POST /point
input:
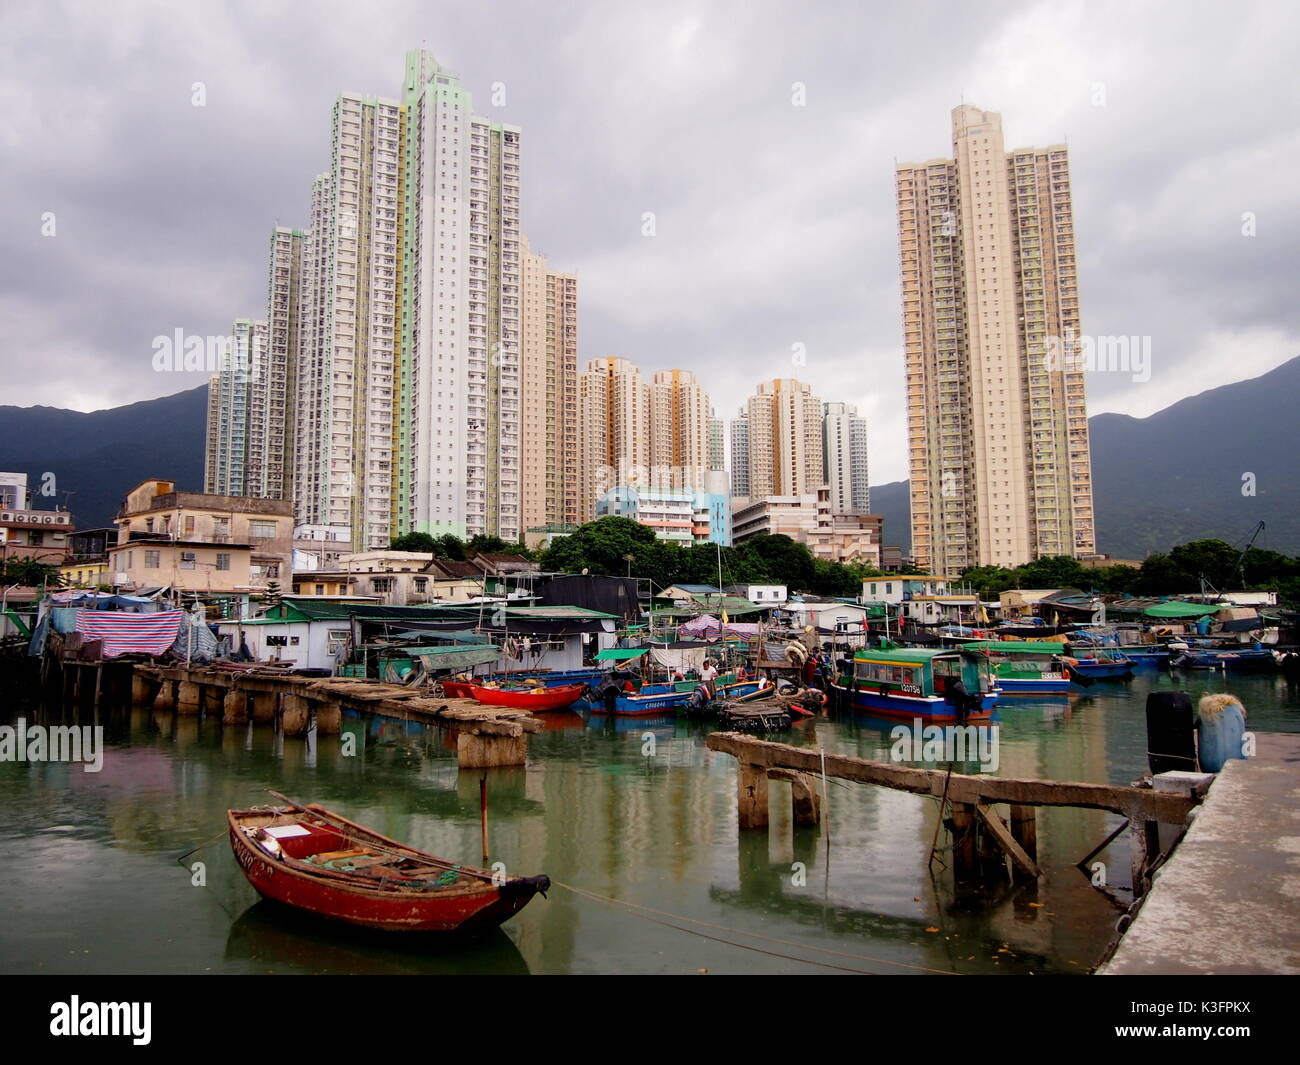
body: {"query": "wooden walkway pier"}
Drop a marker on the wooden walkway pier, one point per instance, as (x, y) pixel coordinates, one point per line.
(979, 831)
(486, 736)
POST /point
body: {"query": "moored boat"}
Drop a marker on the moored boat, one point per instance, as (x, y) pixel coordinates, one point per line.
(538, 699)
(318, 861)
(1213, 658)
(1101, 665)
(652, 700)
(1024, 668)
(913, 682)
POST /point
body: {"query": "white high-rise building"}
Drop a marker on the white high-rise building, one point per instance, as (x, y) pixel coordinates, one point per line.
(844, 457)
(345, 394)
(459, 431)
(237, 425)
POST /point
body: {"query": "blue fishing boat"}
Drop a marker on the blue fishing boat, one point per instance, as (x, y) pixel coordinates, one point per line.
(913, 682)
(651, 700)
(1101, 665)
(1246, 659)
(1145, 655)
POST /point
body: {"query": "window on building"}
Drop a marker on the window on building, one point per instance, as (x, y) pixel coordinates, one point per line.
(223, 560)
(261, 530)
(187, 560)
(151, 559)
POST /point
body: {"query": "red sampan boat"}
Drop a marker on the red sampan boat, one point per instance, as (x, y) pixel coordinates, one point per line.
(535, 699)
(315, 860)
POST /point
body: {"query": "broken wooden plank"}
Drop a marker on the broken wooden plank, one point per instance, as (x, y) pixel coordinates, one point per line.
(1139, 803)
(999, 831)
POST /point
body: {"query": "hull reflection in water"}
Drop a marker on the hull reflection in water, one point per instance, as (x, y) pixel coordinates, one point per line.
(275, 935)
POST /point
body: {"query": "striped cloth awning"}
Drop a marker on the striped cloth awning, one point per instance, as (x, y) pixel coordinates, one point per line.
(124, 633)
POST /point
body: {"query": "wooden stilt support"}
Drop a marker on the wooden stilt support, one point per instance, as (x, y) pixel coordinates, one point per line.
(997, 830)
(296, 714)
(329, 719)
(188, 697)
(264, 706)
(234, 708)
(751, 795)
(1024, 830)
(963, 840)
(166, 697)
(485, 752)
(806, 802)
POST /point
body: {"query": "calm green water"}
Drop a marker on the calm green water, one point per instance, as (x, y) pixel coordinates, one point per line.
(92, 883)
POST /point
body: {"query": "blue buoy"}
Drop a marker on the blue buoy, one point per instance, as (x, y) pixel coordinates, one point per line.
(1220, 730)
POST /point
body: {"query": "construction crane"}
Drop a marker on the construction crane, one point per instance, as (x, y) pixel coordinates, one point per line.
(1240, 568)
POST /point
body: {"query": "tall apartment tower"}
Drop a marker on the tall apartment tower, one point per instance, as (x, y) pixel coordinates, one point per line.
(345, 384)
(272, 477)
(997, 427)
(844, 458)
(237, 430)
(679, 431)
(461, 304)
(784, 439)
(717, 443)
(549, 381)
(614, 428)
(740, 455)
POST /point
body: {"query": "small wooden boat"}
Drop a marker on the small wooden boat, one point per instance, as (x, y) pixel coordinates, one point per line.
(320, 862)
(457, 689)
(653, 700)
(537, 699)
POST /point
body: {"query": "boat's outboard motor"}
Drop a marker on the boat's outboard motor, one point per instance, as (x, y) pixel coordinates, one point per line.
(699, 697)
(960, 699)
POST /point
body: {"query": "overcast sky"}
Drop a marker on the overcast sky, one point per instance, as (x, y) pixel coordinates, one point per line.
(775, 223)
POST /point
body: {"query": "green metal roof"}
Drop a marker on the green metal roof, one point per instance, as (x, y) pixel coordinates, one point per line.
(620, 654)
(1177, 609)
(1024, 647)
(904, 655)
(555, 612)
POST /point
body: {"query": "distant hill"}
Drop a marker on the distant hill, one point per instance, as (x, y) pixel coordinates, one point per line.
(1158, 481)
(891, 502)
(100, 456)
(1177, 475)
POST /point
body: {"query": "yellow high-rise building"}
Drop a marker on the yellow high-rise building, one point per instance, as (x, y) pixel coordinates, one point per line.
(997, 429)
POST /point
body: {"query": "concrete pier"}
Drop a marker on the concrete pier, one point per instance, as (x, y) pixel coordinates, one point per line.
(1226, 900)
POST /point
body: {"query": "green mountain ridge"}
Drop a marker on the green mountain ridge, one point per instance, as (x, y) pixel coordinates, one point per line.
(1173, 477)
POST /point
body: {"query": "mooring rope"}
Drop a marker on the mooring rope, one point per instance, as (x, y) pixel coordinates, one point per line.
(644, 912)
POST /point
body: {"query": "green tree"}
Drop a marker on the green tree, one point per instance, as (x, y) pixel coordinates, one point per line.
(1053, 571)
(492, 545)
(780, 559)
(28, 573)
(600, 547)
(412, 541)
(1211, 560)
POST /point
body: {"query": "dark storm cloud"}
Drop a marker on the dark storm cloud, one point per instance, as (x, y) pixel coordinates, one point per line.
(774, 223)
